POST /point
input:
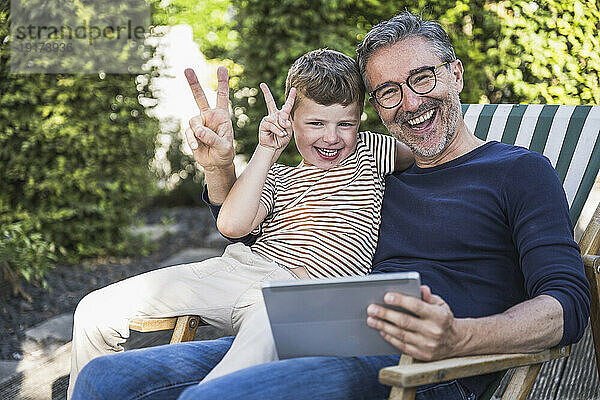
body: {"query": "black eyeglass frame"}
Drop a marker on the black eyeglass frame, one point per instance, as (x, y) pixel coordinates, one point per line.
(430, 68)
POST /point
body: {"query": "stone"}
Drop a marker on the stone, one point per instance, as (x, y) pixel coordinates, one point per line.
(214, 239)
(157, 231)
(7, 368)
(59, 328)
(191, 255)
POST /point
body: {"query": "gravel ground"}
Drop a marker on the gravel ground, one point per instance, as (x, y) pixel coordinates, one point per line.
(68, 284)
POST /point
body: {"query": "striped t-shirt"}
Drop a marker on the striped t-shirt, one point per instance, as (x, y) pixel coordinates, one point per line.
(327, 221)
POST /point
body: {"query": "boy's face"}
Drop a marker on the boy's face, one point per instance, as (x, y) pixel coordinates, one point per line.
(325, 135)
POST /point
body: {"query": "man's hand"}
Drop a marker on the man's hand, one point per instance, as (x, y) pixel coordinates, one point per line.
(431, 334)
(275, 130)
(210, 135)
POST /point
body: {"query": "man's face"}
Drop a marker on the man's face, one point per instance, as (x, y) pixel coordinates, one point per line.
(425, 123)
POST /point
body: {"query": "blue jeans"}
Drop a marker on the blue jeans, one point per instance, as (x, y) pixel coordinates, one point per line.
(174, 371)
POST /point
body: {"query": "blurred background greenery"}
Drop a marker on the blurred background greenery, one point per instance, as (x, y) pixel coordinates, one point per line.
(77, 151)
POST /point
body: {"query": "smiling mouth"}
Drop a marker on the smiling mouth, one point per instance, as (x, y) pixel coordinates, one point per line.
(422, 120)
(328, 153)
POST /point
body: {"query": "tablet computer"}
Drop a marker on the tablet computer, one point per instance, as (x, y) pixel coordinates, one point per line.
(328, 317)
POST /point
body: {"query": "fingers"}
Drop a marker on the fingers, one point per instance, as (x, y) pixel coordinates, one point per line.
(434, 312)
(196, 123)
(426, 293)
(426, 333)
(407, 341)
(197, 91)
(417, 339)
(401, 319)
(407, 347)
(423, 308)
(191, 139)
(269, 100)
(270, 127)
(203, 134)
(222, 88)
(284, 115)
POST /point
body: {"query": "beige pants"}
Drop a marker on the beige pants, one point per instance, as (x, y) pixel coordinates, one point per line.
(224, 291)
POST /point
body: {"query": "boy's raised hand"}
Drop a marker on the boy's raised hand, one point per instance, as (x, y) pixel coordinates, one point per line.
(275, 130)
(210, 135)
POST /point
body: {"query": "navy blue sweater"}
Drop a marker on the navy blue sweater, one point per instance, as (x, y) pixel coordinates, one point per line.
(486, 231)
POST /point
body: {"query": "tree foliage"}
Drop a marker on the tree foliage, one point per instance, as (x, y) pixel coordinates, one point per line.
(74, 153)
(24, 254)
(211, 22)
(513, 51)
(547, 52)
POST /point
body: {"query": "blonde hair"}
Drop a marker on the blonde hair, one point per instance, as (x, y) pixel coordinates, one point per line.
(327, 77)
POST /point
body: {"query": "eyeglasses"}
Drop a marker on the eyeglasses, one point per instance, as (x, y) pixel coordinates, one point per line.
(423, 81)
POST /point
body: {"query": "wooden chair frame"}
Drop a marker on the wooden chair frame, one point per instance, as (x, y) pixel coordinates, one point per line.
(184, 327)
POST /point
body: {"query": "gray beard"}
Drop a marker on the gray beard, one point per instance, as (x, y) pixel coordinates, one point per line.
(423, 152)
(448, 121)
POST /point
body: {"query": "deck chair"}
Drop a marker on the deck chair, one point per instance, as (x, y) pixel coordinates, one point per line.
(569, 137)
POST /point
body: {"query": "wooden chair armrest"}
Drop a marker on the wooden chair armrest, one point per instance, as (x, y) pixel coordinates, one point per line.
(184, 327)
(593, 262)
(145, 324)
(421, 373)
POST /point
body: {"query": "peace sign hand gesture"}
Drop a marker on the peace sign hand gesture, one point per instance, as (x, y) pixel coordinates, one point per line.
(275, 130)
(210, 135)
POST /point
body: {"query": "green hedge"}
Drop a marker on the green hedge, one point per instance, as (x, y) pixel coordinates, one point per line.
(24, 254)
(74, 154)
(512, 51)
(547, 52)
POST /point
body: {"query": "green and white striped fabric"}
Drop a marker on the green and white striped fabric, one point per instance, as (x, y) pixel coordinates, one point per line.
(567, 135)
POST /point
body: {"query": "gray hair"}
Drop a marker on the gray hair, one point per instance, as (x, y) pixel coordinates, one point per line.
(400, 27)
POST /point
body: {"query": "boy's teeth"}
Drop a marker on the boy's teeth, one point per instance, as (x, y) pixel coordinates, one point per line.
(327, 152)
(420, 119)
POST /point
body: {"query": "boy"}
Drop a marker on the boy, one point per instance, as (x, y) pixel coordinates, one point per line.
(322, 216)
(318, 219)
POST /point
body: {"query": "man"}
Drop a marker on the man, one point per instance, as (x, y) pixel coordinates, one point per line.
(486, 225)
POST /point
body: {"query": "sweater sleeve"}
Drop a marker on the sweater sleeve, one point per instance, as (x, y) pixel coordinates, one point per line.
(248, 240)
(549, 258)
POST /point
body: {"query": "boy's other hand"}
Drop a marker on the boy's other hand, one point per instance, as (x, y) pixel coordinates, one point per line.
(275, 130)
(210, 135)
